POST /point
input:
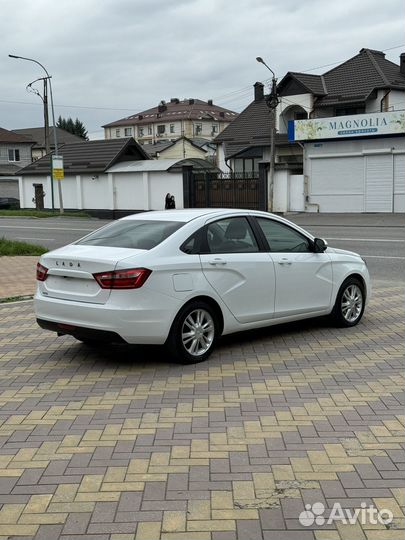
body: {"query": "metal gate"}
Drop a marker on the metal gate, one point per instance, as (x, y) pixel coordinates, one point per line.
(225, 190)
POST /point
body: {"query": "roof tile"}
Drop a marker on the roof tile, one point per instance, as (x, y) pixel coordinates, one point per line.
(90, 156)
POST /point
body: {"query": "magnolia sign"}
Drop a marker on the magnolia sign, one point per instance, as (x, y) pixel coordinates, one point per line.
(357, 125)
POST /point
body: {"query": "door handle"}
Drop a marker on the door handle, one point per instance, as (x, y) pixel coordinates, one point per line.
(285, 262)
(215, 262)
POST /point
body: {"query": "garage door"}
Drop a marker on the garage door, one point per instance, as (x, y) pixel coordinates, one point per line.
(399, 183)
(379, 184)
(337, 176)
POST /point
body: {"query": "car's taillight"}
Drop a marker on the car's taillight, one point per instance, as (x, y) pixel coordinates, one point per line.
(131, 278)
(42, 272)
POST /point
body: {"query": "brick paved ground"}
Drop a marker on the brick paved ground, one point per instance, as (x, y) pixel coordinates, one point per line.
(121, 444)
(17, 276)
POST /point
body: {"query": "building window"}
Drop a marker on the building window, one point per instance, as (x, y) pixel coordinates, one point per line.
(161, 129)
(140, 131)
(149, 130)
(118, 133)
(347, 111)
(13, 154)
(171, 128)
(214, 128)
(197, 129)
(247, 165)
(128, 132)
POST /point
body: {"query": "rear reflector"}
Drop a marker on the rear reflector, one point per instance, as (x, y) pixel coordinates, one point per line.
(131, 278)
(42, 272)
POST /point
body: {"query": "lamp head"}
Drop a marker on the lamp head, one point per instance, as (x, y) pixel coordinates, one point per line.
(260, 59)
(13, 56)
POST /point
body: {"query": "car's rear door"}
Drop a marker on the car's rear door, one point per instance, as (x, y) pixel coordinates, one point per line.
(236, 268)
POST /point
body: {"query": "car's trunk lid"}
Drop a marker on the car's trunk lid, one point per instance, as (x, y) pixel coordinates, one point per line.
(71, 269)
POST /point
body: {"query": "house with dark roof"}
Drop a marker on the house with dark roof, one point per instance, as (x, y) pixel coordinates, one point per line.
(366, 83)
(246, 142)
(107, 178)
(359, 169)
(172, 119)
(86, 183)
(37, 136)
(15, 152)
(181, 148)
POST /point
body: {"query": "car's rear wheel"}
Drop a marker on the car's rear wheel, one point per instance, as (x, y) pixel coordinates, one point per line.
(350, 302)
(193, 333)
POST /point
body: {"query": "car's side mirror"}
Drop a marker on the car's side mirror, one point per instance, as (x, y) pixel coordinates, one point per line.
(320, 245)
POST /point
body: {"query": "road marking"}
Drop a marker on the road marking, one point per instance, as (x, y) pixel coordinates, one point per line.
(41, 228)
(30, 238)
(365, 239)
(382, 257)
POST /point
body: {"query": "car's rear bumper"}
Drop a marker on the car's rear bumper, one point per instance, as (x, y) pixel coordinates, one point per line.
(80, 332)
(146, 321)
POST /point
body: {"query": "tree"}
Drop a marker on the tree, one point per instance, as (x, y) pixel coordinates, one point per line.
(75, 127)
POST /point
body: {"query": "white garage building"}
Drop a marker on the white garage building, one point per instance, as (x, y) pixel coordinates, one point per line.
(106, 178)
(353, 163)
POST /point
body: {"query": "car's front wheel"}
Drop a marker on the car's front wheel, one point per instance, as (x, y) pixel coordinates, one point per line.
(193, 333)
(350, 302)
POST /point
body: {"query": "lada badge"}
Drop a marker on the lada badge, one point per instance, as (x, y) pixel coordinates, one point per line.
(68, 264)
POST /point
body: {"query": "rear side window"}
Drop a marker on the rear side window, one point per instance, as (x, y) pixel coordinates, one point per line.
(282, 238)
(231, 235)
(132, 233)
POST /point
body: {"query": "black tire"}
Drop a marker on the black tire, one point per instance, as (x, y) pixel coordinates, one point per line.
(180, 345)
(350, 302)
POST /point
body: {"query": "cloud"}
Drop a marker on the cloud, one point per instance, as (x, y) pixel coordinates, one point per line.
(130, 54)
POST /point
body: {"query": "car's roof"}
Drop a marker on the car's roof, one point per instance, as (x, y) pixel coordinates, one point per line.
(188, 214)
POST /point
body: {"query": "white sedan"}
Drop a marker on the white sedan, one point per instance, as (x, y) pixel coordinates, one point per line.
(185, 277)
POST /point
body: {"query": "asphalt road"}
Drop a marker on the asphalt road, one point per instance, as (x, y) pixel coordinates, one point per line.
(379, 239)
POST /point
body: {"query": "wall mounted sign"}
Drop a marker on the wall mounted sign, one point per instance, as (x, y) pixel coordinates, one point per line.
(58, 172)
(355, 125)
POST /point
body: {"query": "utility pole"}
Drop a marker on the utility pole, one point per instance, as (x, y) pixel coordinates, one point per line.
(46, 117)
(271, 101)
(44, 99)
(54, 125)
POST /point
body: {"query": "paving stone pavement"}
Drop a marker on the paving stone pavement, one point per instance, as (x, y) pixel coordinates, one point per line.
(119, 443)
(17, 276)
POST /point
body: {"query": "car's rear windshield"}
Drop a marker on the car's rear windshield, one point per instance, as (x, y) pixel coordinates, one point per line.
(134, 233)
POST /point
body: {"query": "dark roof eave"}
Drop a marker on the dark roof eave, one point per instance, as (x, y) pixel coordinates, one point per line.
(293, 75)
(261, 144)
(129, 142)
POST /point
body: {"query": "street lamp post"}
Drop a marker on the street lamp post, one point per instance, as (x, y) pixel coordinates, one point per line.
(44, 99)
(272, 101)
(55, 140)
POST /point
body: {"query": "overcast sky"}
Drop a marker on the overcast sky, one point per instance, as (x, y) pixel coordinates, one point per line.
(111, 58)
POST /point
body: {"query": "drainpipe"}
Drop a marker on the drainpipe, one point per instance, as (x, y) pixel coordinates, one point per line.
(226, 163)
(306, 179)
(382, 100)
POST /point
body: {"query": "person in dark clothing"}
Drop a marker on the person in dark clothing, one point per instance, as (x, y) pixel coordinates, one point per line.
(170, 202)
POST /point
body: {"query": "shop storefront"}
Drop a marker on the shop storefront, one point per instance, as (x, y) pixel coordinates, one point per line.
(353, 163)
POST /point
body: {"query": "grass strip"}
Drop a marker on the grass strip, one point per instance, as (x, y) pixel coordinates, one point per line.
(13, 248)
(40, 213)
(10, 299)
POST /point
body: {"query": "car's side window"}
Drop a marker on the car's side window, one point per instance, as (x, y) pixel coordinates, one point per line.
(231, 235)
(282, 238)
(191, 245)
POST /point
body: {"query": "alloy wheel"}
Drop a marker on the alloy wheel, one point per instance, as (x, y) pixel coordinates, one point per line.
(198, 332)
(352, 303)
